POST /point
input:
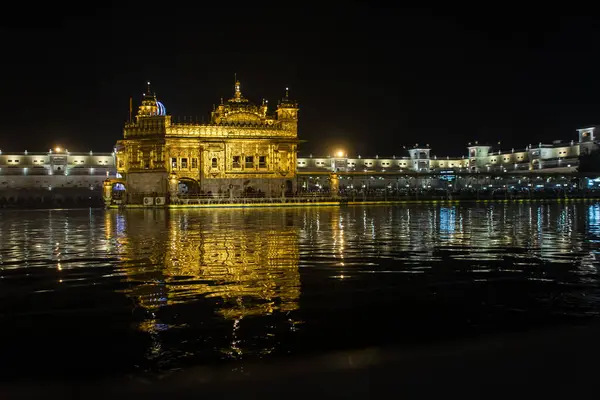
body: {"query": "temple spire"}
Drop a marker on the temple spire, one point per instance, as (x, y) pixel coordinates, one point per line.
(238, 93)
(287, 92)
(148, 92)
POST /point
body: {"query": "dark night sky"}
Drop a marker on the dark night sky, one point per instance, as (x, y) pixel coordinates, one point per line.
(368, 78)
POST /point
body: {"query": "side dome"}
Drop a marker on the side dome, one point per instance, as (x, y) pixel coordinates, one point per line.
(160, 109)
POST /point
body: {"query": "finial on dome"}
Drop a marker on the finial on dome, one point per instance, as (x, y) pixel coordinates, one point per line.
(148, 92)
(238, 92)
(287, 92)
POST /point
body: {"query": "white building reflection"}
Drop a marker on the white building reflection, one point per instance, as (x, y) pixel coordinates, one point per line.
(480, 231)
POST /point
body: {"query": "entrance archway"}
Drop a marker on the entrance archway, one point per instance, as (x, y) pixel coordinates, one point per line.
(113, 190)
(188, 186)
(118, 191)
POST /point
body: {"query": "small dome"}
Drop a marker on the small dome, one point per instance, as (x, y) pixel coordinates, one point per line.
(161, 110)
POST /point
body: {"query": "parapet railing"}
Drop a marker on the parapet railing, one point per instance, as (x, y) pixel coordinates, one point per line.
(325, 197)
(250, 199)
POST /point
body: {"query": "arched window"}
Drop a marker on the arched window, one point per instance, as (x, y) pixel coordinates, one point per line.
(214, 163)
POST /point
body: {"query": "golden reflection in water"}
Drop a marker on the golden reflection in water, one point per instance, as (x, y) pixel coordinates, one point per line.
(252, 270)
(248, 263)
(337, 233)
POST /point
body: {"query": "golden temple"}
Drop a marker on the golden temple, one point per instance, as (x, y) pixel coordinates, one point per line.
(244, 148)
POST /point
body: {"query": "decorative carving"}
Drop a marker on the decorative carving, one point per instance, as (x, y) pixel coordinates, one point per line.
(237, 128)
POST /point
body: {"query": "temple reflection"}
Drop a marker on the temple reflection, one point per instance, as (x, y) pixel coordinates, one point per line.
(241, 267)
(253, 270)
(239, 264)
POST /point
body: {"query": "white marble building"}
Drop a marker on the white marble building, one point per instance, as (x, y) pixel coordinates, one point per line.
(56, 168)
(556, 157)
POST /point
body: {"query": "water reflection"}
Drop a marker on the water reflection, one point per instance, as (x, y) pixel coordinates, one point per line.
(200, 285)
(244, 265)
(491, 232)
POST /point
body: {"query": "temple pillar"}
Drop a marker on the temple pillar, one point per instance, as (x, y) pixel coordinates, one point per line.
(107, 192)
(173, 188)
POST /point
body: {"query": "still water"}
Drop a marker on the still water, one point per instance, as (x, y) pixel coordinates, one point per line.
(93, 292)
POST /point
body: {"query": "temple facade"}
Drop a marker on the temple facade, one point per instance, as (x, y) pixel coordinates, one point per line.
(245, 148)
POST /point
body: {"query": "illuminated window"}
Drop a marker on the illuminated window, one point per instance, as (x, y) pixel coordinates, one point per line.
(236, 162)
(121, 164)
(213, 163)
(249, 161)
(194, 163)
(174, 163)
(184, 164)
(262, 162)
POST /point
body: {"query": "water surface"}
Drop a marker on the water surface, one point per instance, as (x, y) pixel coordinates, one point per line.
(94, 292)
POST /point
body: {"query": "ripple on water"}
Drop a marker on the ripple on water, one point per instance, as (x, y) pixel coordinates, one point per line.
(168, 289)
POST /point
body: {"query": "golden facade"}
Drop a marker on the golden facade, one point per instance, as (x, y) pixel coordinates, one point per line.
(244, 148)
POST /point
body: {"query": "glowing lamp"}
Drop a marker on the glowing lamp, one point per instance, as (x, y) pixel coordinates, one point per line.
(57, 149)
(340, 153)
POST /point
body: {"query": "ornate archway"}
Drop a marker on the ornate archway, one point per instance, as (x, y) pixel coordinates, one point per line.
(114, 191)
(188, 186)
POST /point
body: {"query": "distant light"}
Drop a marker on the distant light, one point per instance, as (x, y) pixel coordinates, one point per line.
(340, 153)
(57, 149)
